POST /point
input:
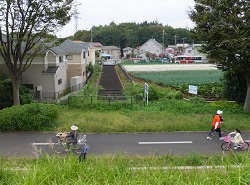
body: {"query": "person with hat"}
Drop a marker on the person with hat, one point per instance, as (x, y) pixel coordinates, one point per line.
(217, 120)
(71, 136)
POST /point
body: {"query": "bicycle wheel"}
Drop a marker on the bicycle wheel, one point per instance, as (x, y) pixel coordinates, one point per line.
(76, 148)
(244, 146)
(58, 148)
(225, 146)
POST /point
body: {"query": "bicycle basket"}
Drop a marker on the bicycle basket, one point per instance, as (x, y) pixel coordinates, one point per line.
(227, 138)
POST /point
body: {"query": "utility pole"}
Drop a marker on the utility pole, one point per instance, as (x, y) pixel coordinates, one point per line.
(163, 37)
(183, 45)
(91, 35)
(175, 36)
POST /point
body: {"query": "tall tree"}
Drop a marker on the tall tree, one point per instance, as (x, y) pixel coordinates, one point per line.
(223, 26)
(24, 30)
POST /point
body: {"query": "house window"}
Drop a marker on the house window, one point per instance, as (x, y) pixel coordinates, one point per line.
(69, 57)
(83, 55)
(88, 53)
(83, 73)
(189, 51)
(59, 81)
(60, 59)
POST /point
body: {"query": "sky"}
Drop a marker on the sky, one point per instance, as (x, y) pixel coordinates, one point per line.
(102, 12)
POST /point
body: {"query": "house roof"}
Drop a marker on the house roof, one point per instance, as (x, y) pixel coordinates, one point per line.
(95, 44)
(51, 69)
(69, 46)
(127, 49)
(153, 40)
(110, 47)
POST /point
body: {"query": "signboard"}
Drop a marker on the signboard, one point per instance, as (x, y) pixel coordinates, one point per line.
(146, 88)
(146, 93)
(192, 89)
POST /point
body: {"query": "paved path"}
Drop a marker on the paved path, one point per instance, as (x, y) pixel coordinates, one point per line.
(179, 143)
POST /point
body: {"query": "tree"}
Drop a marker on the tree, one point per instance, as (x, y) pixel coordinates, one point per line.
(223, 26)
(25, 29)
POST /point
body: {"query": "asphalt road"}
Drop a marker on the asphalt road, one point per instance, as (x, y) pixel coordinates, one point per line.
(175, 143)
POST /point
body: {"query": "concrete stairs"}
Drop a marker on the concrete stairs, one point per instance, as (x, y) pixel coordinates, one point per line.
(112, 87)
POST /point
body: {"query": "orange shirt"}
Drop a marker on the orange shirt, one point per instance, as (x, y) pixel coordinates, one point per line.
(216, 119)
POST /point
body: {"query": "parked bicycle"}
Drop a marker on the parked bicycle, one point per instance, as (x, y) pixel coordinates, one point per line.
(228, 144)
(63, 147)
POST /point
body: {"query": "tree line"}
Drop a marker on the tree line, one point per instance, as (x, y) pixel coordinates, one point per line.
(133, 34)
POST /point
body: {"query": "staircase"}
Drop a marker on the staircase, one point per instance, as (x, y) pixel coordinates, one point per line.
(112, 87)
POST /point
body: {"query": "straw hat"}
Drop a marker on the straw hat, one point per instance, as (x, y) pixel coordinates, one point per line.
(73, 127)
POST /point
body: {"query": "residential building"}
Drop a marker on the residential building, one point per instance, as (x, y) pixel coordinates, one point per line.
(112, 50)
(127, 52)
(77, 57)
(193, 50)
(47, 75)
(98, 49)
(151, 46)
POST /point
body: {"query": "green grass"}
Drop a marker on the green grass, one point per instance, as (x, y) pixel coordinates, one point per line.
(120, 169)
(160, 116)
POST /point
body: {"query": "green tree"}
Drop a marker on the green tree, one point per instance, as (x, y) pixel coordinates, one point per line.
(25, 28)
(223, 26)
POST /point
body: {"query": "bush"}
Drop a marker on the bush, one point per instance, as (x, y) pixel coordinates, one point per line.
(6, 97)
(28, 117)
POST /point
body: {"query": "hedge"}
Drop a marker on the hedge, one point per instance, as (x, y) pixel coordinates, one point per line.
(29, 117)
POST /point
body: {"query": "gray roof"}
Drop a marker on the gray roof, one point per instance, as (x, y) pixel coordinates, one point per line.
(127, 49)
(51, 69)
(109, 47)
(69, 46)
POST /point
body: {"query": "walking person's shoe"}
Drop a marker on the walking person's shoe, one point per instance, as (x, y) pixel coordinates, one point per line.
(209, 138)
(221, 138)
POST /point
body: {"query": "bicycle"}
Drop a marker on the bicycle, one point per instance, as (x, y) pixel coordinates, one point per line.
(228, 144)
(63, 147)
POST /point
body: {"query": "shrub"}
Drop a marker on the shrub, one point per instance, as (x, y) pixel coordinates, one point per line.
(28, 117)
(6, 97)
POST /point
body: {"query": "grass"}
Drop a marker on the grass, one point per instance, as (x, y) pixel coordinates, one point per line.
(167, 116)
(120, 169)
(164, 115)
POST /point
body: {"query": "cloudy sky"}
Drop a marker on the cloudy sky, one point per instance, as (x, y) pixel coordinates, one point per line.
(102, 12)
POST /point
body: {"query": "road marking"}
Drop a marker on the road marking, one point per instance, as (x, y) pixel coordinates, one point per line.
(186, 167)
(167, 142)
(43, 144)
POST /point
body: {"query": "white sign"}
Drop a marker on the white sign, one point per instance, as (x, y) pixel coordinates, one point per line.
(146, 88)
(146, 93)
(192, 89)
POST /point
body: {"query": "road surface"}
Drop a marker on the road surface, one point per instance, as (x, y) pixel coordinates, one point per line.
(174, 143)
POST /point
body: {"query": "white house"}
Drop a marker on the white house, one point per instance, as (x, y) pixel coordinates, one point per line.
(151, 46)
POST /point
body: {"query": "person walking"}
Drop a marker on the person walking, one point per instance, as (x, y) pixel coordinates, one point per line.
(217, 120)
